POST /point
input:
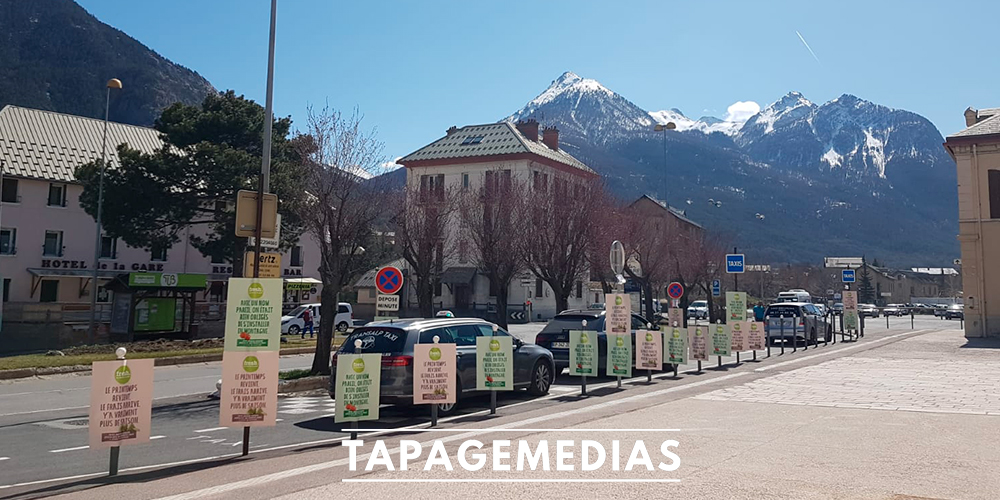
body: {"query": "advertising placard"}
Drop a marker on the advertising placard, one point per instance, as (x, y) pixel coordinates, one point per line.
(121, 402)
(618, 314)
(721, 341)
(699, 342)
(582, 353)
(359, 378)
(851, 320)
(736, 306)
(155, 314)
(756, 337)
(676, 317)
(649, 350)
(434, 373)
(270, 264)
(619, 358)
(249, 394)
(738, 335)
(494, 363)
(677, 345)
(387, 302)
(253, 314)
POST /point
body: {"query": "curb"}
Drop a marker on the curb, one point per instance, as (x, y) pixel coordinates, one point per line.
(171, 361)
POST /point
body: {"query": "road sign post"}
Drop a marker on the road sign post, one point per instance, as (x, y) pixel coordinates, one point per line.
(716, 287)
(847, 276)
(735, 265)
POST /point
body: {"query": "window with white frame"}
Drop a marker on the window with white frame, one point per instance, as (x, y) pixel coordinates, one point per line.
(57, 195)
(8, 241)
(53, 244)
(109, 247)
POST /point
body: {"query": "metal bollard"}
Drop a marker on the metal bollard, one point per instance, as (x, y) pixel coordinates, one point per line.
(886, 321)
(911, 319)
(781, 319)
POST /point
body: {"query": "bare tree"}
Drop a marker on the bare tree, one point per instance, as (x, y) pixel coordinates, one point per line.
(342, 165)
(648, 257)
(492, 218)
(603, 231)
(557, 239)
(422, 220)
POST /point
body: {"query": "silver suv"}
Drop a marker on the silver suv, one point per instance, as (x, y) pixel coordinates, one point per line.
(801, 321)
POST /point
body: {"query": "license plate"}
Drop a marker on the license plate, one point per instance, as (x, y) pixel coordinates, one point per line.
(560, 345)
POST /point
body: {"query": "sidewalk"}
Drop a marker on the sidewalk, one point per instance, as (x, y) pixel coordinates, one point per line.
(903, 417)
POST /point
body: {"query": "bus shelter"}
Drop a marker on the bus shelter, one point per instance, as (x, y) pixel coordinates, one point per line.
(154, 303)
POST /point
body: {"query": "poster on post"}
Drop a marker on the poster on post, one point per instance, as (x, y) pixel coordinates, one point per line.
(675, 315)
(738, 335)
(582, 353)
(851, 319)
(249, 393)
(434, 374)
(253, 314)
(359, 378)
(756, 338)
(699, 342)
(617, 313)
(494, 363)
(677, 345)
(736, 306)
(619, 358)
(121, 402)
(721, 340)
(649, 350)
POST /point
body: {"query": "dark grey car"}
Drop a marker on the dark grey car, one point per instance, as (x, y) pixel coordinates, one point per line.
(555, 335)
(533, 365)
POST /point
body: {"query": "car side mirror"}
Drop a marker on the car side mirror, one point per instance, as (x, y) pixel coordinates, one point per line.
(518, 343)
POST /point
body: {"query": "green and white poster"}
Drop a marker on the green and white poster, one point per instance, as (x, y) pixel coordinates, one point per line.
(253, 314)
(648, 350)
(677, 344)
(851, 319)
(582, 353)
(619, 359)
(736, 306)
(358, 385)
(721, 340)
(494, 364)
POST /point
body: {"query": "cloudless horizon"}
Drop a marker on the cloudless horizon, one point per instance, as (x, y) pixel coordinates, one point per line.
(415, 68)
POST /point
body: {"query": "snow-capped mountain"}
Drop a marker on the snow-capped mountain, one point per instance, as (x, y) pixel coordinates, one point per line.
(583, 107)
(848, 137)
(845, 177)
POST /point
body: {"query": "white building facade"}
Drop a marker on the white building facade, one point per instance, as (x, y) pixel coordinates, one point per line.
(464, 159)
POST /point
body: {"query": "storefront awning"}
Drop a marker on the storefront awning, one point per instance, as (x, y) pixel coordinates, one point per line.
(301, 283)
(458, 275)
(41, 272)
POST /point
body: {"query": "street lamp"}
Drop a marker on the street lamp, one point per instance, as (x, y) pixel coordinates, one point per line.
(664, 128)
(113, 83)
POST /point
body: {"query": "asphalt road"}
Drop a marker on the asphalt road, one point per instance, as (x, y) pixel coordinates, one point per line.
(44, 422)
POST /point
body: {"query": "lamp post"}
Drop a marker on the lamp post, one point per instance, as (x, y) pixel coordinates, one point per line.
(664, 128)
(113, 83)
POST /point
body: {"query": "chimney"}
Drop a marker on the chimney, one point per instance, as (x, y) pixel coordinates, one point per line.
(452, 129)
(550, 136)
(528, 128)
(971, 117)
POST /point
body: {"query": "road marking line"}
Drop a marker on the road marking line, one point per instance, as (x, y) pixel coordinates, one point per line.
(484, 480)
(69, 449)
(213, 429)
(156, 437)
(499, 429)
(82, 407)
(4, 458)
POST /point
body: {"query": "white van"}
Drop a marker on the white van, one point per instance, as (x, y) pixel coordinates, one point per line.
(292, 323)
(795, 295)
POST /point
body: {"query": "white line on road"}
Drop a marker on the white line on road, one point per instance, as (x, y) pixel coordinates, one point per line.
(4, 458)
(156, 437)
(69, 449)
(483, 480)
(519, 429)
(213, 429)
(82, 407)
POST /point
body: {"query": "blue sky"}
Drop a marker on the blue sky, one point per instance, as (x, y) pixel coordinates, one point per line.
(414, 68)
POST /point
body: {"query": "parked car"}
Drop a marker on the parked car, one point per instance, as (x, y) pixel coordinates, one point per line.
(801, 320)
(821, 308)
(867, 310)
(533, 364)
(698, 310)
(940, 309)
(555, 335)
(955, 311)
(292, 322)
(895, 310)
(838, 308)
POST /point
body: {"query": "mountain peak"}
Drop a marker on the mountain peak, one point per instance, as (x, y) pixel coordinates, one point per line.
(791, 100)
(567, 82)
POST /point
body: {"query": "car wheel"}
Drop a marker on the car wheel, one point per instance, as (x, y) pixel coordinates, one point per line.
(294, 330)
(541, 378)
(342, 326)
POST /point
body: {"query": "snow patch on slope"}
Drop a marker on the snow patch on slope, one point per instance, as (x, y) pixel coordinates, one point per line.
(736, 115)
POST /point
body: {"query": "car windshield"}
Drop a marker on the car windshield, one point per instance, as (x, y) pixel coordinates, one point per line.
(699, 303)
(956, 306)
(386, 340)
(296, 311)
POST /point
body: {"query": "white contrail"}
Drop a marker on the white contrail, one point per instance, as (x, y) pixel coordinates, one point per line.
(804, 42)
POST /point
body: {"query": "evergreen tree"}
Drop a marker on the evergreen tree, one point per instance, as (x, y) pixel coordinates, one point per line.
(866, 292)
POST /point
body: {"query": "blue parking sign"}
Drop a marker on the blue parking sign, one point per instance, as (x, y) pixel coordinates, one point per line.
(716, 288)
(848, 276)
(734, 263)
